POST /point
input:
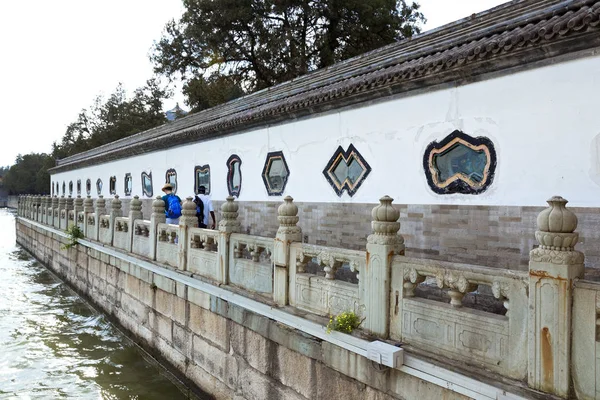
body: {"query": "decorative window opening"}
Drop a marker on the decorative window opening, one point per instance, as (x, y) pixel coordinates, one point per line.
(234, 175)
(171, 177)
(460, 164)
(147, 184)
(57, 189)
(64, 188)
(70, 188)
(112, 185)
(202, 178)
(52, 186)
(88, 187)
(275, 173)
(346, 170)
(99, 186)
(128, 184)
(78, 186)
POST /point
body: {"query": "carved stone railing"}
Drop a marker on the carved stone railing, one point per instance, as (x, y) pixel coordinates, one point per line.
(121, 233)
(167, 239)
(202, 252)
(250, 263)
(81, 220)
(104, 229)
(499, 342)
(318, 291)
(141, 238)
(586, 340)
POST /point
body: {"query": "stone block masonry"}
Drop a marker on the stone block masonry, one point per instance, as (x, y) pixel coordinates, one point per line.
(227, 351)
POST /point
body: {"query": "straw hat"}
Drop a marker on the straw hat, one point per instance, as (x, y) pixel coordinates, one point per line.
(167, 186)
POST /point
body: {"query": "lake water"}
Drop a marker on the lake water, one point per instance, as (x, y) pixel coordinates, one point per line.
(53, 345)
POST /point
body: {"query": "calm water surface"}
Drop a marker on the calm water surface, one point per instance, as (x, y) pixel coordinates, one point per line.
(54, 345)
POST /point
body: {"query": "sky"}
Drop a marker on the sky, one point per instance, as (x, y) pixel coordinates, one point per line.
(57, 56)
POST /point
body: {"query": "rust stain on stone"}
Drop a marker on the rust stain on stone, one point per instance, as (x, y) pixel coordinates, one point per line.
(544, 274)
(547, 360)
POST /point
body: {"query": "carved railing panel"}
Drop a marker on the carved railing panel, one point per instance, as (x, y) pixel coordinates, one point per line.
(141, 238)
(121, 233)
(313, 283)
(250, 264)
(167, 239)
(202, 252)
(104, 229)
(81, 220)
(444, 326)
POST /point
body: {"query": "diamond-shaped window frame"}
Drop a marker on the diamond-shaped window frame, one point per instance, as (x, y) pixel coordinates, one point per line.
(346, 157)
(459, 182)
(272, 156)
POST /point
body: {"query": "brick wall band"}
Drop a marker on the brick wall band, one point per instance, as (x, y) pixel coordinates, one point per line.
(494, 236)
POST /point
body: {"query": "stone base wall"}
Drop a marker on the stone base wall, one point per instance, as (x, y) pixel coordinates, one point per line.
(225, 350)
(493, 236)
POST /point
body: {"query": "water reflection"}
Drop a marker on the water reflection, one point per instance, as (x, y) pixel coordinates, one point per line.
(54, 345)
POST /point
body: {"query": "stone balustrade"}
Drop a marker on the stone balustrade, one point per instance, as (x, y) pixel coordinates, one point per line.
(539, 327)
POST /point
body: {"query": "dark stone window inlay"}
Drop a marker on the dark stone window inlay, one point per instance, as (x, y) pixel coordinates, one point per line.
(202, 178)
(147, 184)
(88, 187)
(99, 186)
(128, 184)
(460, 164)
(57, 189)
(70, 188)
(171, 177)
(52, 185)
(275, 173)
(346, 170)
(234, 175)
(64, 188)
(78, 186)
(112, 185)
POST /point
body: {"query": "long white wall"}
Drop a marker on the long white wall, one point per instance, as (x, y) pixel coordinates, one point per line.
(544, 123)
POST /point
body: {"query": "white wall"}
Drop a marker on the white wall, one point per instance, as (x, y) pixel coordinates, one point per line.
(543, 124)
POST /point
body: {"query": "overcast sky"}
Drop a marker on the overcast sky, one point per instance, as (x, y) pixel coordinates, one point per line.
(56, 56)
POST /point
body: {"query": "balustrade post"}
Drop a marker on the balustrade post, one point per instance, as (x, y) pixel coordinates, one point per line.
(382, 245)
(77, 208)
(553, 267)
(187, 220)
(115, 212)
(36, 208)
(19, 206)
(55, 212)
(88, 210)
(28, 207)
(158, 217)
(227, 225)
(287, 233)
(100, 210)
(42, 209)
(62, 203)
(68, 209)
(135, 213)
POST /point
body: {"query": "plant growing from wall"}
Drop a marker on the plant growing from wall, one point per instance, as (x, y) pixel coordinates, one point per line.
(345, 322)
(74, 234)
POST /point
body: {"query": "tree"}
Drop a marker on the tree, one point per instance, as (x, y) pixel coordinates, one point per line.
(259, 43)
(29, 174)
(114, 118)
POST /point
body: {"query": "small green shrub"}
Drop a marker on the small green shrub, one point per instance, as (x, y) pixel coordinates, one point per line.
(74, 235)
(344, 322)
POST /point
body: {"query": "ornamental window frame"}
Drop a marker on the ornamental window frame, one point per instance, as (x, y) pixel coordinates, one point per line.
(231, 161)
(88, 186)
(271, 157)
(206, 170)
(459, 183)
(171, 173)
(99, 186)
(52, 188)
(127, 184)
(341, 155)
(70, 188)
(78, 186)
(147, 193)
(64, 188)
(112, 185)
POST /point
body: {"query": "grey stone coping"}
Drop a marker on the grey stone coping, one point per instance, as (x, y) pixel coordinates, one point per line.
(515, 34)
